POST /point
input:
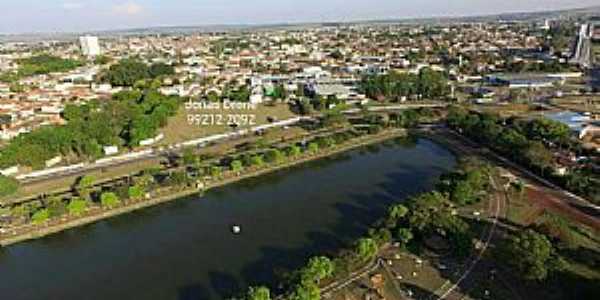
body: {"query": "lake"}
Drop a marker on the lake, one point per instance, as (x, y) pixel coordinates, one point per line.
(185, 249)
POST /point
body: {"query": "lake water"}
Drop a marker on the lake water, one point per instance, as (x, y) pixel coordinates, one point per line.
(185, 249)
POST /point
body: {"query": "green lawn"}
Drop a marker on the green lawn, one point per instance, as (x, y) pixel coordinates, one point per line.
(179, 129)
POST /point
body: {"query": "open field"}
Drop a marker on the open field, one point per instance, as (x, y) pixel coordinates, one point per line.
(179, 128)
(507, 110)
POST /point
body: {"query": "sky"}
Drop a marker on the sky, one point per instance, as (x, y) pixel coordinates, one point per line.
(25, 16)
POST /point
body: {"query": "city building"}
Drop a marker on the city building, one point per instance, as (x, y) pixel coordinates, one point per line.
(90, 46)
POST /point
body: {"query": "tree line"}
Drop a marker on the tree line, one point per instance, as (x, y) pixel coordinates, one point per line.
(427, 84)
(527, 142)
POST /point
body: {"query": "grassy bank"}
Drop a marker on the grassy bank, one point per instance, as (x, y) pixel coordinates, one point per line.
(94, 214)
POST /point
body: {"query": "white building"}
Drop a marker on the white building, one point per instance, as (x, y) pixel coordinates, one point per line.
(89, 45)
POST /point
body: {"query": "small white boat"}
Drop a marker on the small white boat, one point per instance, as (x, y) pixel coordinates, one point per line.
(236, 229)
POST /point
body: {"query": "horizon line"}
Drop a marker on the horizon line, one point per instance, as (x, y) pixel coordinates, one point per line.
(293, 23)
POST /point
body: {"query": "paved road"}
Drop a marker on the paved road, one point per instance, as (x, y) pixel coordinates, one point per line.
(396, 107)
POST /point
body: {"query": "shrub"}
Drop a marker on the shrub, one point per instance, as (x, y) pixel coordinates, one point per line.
(109, 200)
(77, 206)
(8, 186)
(41, 216)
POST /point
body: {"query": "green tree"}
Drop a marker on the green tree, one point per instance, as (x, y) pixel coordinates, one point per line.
(539, 156)
(294, 151)
(237, 166)
(317, 269)
(274, 156)
(532, 254)
(462, 193)
(178, 179)
(84, 186)
(212, 96)
(161, 69)
(109, 200)
(397, 212)
(258, 293)
(257, 160)
(405, 235)
(190, 158)
(102, 60)
(306, 291)
(216, 172)
(127, 72)
(135, 192)
(77, 206)
(313, 147)
(366, 249)
(41, 216)
(56, 206)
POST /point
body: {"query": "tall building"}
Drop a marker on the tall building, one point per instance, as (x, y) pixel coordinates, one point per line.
(89, 45)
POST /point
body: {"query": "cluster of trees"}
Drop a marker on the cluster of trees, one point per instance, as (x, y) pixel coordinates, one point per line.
(128, 118)
(408, 118)
(532, 254)
(559, 37)
(44, 64)
(468, 185)
(40, 64)
(84, 196)
(306, 281)
(527, 142)
(428, 215)
(128, 72)
(428, 84)
(309, 277)
(239, 94)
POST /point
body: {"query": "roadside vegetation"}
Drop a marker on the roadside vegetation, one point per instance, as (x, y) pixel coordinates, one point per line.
(529, 142)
